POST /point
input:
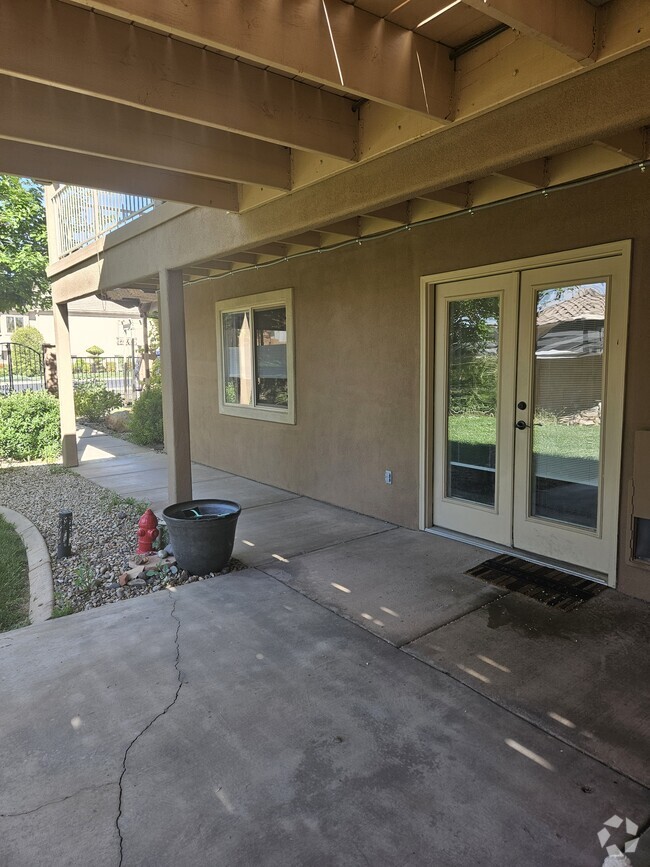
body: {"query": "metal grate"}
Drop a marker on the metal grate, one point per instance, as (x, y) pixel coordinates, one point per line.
(542, 583)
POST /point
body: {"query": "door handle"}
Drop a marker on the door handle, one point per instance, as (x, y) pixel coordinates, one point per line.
(521, 425)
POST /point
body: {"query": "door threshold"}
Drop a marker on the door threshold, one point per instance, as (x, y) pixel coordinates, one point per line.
(578, 571)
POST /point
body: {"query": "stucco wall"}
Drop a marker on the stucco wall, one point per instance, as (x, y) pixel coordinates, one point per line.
(357, 349)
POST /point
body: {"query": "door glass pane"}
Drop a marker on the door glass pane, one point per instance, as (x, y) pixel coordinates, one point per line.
(271, 357)
(237, 358)
(568, 391)
(472, 387)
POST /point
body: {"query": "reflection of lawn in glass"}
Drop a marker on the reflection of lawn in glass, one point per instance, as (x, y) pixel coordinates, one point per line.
(563, 440)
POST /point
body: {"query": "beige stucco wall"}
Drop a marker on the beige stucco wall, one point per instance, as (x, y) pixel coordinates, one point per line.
(357, 323)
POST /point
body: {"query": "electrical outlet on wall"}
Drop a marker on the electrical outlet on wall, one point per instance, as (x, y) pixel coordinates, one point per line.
(388, 477)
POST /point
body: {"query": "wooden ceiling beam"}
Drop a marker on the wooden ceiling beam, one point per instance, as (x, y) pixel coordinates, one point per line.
(36, 114)
(72, 48)
(269, 249)
(330, 43)
(398, 214)
(27, 160)
(567, 25)
(456, 196)
(305, 239)
(243, 258)
(349, 228)
(532, 173)
(632, 144)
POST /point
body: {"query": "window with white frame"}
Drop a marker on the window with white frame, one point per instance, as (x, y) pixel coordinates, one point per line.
(255, 356)
(14, 322)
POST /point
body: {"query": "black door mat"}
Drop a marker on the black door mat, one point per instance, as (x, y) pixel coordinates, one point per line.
(549, 586)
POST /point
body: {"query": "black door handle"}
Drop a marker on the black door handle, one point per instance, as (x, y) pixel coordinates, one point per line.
(521, 425)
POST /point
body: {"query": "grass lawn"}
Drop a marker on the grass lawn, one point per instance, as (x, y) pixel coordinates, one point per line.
(14, 581)
(563, 440)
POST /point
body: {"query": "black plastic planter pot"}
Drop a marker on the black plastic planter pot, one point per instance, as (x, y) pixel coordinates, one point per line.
(202, 533)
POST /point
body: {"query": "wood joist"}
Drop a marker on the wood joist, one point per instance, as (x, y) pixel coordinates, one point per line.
(192, 102)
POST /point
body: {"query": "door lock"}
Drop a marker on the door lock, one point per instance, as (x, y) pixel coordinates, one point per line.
(522, 404)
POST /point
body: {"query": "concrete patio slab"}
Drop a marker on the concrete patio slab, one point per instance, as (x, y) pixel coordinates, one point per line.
(272, 534)
(243, 491)
(113, 467)
(249, 725)
(582, 675)
(101, 448)
(398, 585)
(154, 478)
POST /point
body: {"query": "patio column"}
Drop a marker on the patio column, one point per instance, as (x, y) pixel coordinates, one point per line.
(174, 380)
(65, 386)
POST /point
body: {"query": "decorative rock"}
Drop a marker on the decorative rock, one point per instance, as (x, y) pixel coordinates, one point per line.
(118, 421)
(137, 582)
(123, 580)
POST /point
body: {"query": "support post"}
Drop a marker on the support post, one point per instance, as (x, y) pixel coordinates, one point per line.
(66, 389)
(174, 382)
(145, 348)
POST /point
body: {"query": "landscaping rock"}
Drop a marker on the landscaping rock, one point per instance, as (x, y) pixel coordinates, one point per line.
(118, 421)
(104, 538)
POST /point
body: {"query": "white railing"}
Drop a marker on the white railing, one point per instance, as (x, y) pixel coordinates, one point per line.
(82, 215)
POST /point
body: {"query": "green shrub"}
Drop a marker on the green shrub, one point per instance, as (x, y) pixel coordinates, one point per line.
(29, 426)
(146, 417)
(93, 401)
(27, 362)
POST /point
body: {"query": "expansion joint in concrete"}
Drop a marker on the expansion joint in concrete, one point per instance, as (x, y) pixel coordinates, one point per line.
(162, 713)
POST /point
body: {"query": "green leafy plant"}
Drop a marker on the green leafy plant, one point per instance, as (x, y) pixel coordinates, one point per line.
(27, 350)
(23, 246)
(84, 577)
(146, 418)
(93, 401)
(62, 605)
(95, 350)
(30, 426)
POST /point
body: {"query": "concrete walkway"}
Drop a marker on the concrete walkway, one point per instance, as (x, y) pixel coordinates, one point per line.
(240, 721)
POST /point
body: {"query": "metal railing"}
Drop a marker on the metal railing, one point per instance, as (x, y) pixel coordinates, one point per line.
(117, 373)
(82, 215)
(21, 368)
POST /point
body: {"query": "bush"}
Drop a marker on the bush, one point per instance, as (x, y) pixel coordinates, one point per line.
(146, 417)
(93, 401)
(27, 363)
(29, 426)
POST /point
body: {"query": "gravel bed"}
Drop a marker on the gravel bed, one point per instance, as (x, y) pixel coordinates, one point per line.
(104, 536)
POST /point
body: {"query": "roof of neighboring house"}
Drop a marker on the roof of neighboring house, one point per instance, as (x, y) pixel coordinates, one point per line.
(586, 303)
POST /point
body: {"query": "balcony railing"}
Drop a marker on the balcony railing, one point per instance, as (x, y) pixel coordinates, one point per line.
(82, 215)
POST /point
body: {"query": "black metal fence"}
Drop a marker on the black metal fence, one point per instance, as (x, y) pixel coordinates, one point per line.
(114, 372)
(21, 368)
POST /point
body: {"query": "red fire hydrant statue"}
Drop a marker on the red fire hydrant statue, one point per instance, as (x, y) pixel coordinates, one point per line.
(147, 532)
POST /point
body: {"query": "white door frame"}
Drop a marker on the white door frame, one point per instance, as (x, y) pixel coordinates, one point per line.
(615, 378)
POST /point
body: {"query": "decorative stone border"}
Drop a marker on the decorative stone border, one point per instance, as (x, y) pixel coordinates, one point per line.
(39, 565)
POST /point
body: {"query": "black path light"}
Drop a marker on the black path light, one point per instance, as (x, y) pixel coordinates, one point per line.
(64, 548)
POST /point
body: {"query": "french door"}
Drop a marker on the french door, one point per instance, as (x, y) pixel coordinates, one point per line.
(527, 408)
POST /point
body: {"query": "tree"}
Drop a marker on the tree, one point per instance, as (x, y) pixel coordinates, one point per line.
(23, 246)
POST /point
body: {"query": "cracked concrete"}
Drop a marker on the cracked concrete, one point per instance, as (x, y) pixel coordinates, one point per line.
(300, 739)
(303, 739)
(148, 726)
